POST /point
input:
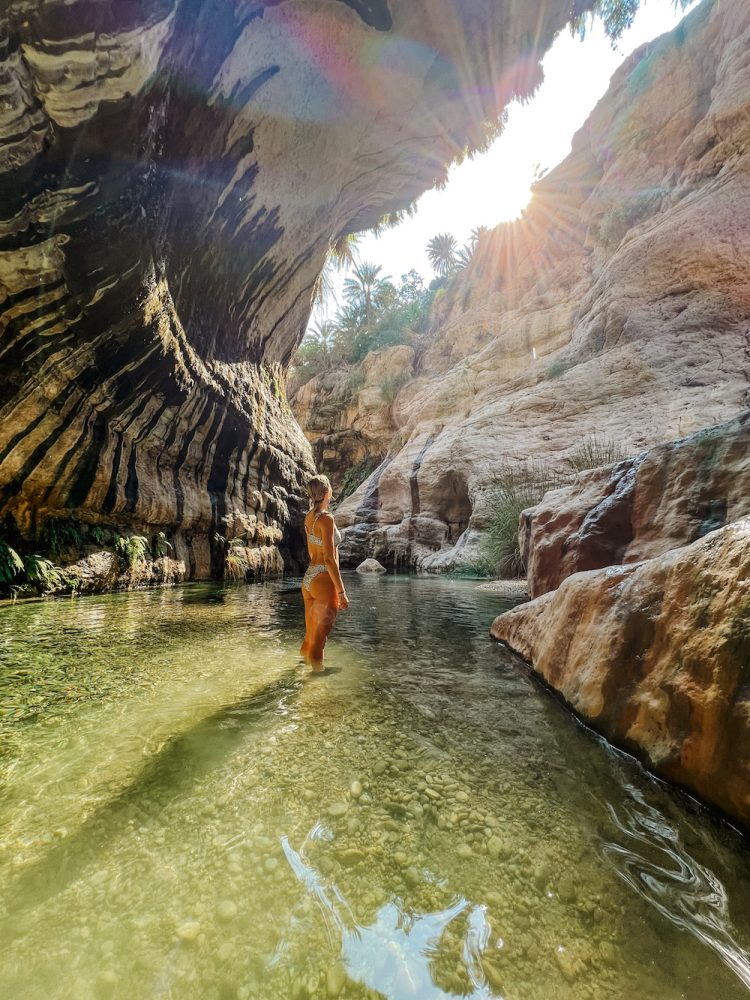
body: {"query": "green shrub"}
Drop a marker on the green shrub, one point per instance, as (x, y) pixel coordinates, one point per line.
(595, 451)
(162, 547)
(353, 382)
(43, 575)
(480, 570)
(62, 534)
(101, 536)
(621, 217)
(516, 486)
(11, 566)
(356, 475)
(30, 574)
(556, 369)
(132, 549)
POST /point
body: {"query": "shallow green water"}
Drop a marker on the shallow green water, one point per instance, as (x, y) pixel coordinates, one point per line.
(186, 813)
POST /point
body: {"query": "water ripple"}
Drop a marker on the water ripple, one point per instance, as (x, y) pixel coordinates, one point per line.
(651, 860)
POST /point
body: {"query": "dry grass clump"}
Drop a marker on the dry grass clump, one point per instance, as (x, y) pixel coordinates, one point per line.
(516, 485)
(595, 451)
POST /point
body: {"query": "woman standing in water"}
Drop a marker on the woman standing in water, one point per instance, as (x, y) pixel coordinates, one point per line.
(322, 586)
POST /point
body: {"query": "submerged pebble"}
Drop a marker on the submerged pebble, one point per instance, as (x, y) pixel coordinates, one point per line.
(335, 979)
(411, 877)
(189, 931)
(105, 984)
(226, 910)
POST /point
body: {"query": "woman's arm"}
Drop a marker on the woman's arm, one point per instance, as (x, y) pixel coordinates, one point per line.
(326, 523)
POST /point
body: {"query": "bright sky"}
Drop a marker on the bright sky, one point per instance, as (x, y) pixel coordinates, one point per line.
(494, 186)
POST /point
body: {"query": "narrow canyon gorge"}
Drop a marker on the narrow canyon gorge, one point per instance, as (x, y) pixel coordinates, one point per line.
(617, 307)
(174, 176)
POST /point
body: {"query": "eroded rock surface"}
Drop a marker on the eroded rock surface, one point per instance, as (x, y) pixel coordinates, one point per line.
(347, 413)
(618, 305)
(657, 656)
(172, 175)
(641, 508)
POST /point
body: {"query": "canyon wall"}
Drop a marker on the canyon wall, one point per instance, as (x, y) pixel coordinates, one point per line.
(619, 304)
(656, 656)
(172, 175)
(347, 413)
(640, 508)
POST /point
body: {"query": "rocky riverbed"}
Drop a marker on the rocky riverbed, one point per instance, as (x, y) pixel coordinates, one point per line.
(421, 821)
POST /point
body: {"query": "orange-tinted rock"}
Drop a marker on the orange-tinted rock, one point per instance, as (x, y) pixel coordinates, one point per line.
(347, 413)
(664, 498)
(656, 656)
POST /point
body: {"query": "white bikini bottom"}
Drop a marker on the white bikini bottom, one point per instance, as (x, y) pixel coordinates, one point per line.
(312, 572)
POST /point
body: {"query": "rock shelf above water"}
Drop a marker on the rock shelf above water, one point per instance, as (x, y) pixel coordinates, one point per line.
(656, 655)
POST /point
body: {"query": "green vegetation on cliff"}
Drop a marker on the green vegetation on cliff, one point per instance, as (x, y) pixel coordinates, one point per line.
(376, 313)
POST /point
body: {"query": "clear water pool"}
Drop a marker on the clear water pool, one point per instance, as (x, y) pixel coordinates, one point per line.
(187, 813)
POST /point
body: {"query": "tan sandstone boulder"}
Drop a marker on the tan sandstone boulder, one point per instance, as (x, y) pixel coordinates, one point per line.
(370, 566)
(641, 508)
(656, 655)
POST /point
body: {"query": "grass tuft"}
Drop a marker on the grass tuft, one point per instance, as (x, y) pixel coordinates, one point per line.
(235, 561)
(517, 485)
(595, 451)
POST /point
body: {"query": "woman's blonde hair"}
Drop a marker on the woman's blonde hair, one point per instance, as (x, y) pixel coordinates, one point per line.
(318, 487)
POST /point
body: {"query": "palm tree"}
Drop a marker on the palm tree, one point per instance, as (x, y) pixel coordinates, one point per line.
(341, 256)
(322, 332)
(464, 255)
(476, 235)
(345, 251)
(443, 254)
(363, 287)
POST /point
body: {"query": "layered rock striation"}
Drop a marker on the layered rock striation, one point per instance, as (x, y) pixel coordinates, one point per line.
(618, 305)
(172, 175)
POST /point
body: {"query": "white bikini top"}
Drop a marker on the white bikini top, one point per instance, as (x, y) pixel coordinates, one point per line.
(316, 539)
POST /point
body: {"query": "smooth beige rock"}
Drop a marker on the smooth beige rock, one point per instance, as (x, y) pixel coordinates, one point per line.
(104, 570)
(371, 566)
(656, 655)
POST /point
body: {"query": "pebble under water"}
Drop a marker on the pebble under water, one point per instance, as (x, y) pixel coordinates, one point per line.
(186, 812)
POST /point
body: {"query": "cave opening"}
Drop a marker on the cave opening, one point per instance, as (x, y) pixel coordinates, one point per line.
(454, 507)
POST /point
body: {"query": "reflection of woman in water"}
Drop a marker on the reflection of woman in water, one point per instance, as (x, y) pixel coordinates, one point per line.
(322, 586)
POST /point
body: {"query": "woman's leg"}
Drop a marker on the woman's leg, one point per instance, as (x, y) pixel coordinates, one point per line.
(308, 599)
(323, 610)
